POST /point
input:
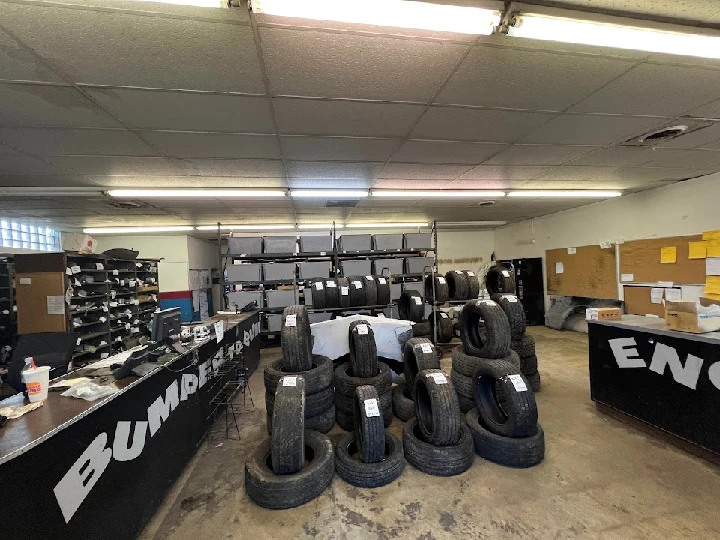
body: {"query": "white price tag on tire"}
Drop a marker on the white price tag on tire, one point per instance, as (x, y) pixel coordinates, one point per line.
(369, 278)
(426, 348)
(289, 381)
(362, 329)
(511, 298)
(439, 378)
(506, 273)
(330, 284)
(418, 300)
(371, 407)
(518, 383)
(381, 281)
(344, 291)
(471, 273)
(291, 320)
(441, 280)
(357, 284)
(443, 315)
(319, 286)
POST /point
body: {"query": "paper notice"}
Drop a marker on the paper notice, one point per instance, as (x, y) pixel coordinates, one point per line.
(673, 294)
(330, 284)
(506, 273)
(219, 330)
(371, 407)
(518, 382)
(572, 251)
(605, 245)
(713, 248)
(382, 281)
(319, 286)
(418, 301)
(559, 268)
(712, 266)
(712, 285)
(426, 348)
(711, 235)
(290, 381)
(697, 250)
(668, 255)
(362, 329)
(291, 320)
(56, 305)
(656, 295)
(665, 284)
(25, 281)
(344, 291)
(441, 280)
(439, 378)
(627, 277)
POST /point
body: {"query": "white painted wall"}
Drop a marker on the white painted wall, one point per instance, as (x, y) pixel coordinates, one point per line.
(454, 246)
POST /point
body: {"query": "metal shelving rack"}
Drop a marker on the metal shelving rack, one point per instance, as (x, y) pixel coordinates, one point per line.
(8, 319)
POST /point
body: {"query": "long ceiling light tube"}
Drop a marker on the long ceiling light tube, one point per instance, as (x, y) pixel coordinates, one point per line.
(578, 193)
(136, 230)
(437, 193)
(329, 193)
(195, 193)
(244, 227)
(386, 225)
(394, 13)
(617, 35)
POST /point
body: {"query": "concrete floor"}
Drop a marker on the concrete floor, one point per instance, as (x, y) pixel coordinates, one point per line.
(600, 479)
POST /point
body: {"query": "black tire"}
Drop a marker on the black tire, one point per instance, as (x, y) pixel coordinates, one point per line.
(332, 294)
(346, 419)
(458, 287)
(383, 291)
(314, 404)
(287, 437)
(421, 329)
(436, 404)
(500, 280)
(466, 364)
(371, 292)
(466, 403)
(346, 404)
(534, 381)
(357, 292)
(529, 365)
(494, 342)
(415, 359)
(408, 307)
(369, 475)
(369, 425)
(343, 286)
(280, 491)
(296, 339)
(321, 423)
(317, 378)
(442, 293)
(525, 346)
(518, 416)
(402, 403)
(514, 311)
(437, 460)
(346, 382)
(317, 289)
(444, 326)
(519, 453)
(473, 285)
(363, 350)
(464, 386)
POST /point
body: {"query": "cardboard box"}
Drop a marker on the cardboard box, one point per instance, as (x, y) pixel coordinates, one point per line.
(603, 314)
(687, 316)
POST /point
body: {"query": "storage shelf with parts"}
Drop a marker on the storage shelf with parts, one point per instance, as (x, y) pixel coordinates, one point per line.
(320, 255)
(8, 315)
(379, 307)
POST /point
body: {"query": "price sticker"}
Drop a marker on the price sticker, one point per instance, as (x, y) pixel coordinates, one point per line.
(330, 284)
(458, 271)
(369, 278)
(382, 281)
(506, 273)
(471, 274)
(439, 378)
(344, 291)
(511, 298)
(426, 348)
(518, 383)
(75, 269)
(362, 329)
(418, 300)
(115, 273)
(289, 381)
(441, 280)
(319, 286)
(357, 284)
(291, 320)
(371, 407)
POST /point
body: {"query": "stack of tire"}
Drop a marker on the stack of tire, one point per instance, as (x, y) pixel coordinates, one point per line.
(418, 355)
(499, 280)
(363, 369)
(367, 291)
(411, 307)
(369, 456)
(276, 475)
(436, 441)
(485, 335)
(297, 359)
(462, 285)
(523, 344)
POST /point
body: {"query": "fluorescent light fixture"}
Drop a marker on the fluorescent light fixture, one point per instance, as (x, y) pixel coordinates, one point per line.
(194, 193)
(443, 224)
(580, 193)
(196, 3)
(245, 227)
(397, 13)
(49, 192)
(135, 230)
(385, 225)
(318, 226)
(438, 193)
(329, 193)
(586, 32)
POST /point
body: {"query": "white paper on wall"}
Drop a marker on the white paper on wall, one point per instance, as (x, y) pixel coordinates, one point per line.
(559, 268)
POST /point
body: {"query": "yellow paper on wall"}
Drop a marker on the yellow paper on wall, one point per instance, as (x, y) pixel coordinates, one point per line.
(711, 235)
(713, 248)
(712, 296)
(712, 285)
(668, 255)
(698, 250)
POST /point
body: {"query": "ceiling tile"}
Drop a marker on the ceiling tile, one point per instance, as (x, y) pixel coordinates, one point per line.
(158, 9)
(503, 172)
(589, 129)
(336, 170)
(352, 118)
(538, 155)
(338, 148)
(212, 145)
(52, 106)
(692, 10)
(326, 183)
(151, 52)
(709, 110)
(58, 142)
(678, 158)
(63, 179)
(353, 66)
(20, 64)
(646, 174)
(192, 111)
(446, 152)
(572, 174)
(116, 165)
(464, 124)
(412, 171)
(21, 164)
(399, 183)
(619, 156)
(525, 79)
(493, 183)
(654, 89)
(251, 168)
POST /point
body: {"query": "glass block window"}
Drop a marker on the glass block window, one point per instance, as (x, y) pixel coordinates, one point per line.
(14, 234)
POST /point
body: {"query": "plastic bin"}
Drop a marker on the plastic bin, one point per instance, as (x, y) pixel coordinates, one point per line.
(310, 270)
(417, 241)
(395, 291)
(416, 265)
(278, 271)
(315, 244)
(243, 298)
(274, 322)
(319, 317)
(386, 242)
(355, 242)
(395, 266)
(244, 272)
(361, 267)
(278, 299)
(280, 244)
(245, 245)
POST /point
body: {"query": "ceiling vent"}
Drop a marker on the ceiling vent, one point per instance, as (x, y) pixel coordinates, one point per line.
(342, 203)
(130, 205)
(485, 203)
(667, 133)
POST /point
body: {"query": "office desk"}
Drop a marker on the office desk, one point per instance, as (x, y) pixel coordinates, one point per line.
(79, 469)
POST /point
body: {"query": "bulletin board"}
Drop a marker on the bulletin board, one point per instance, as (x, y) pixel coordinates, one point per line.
(638, 302)
(590, 272)
(32, 291)
(641, 258)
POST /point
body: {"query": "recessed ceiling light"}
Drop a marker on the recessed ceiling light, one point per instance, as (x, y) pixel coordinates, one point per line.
(329, 193)
(436, 193)
(245, 227)
(385, 225)
(397, 13)
(193, 193)
(135, 230)
(580, 193)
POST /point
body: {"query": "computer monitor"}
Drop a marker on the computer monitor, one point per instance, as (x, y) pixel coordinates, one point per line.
(165, 324)
(54, 349)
